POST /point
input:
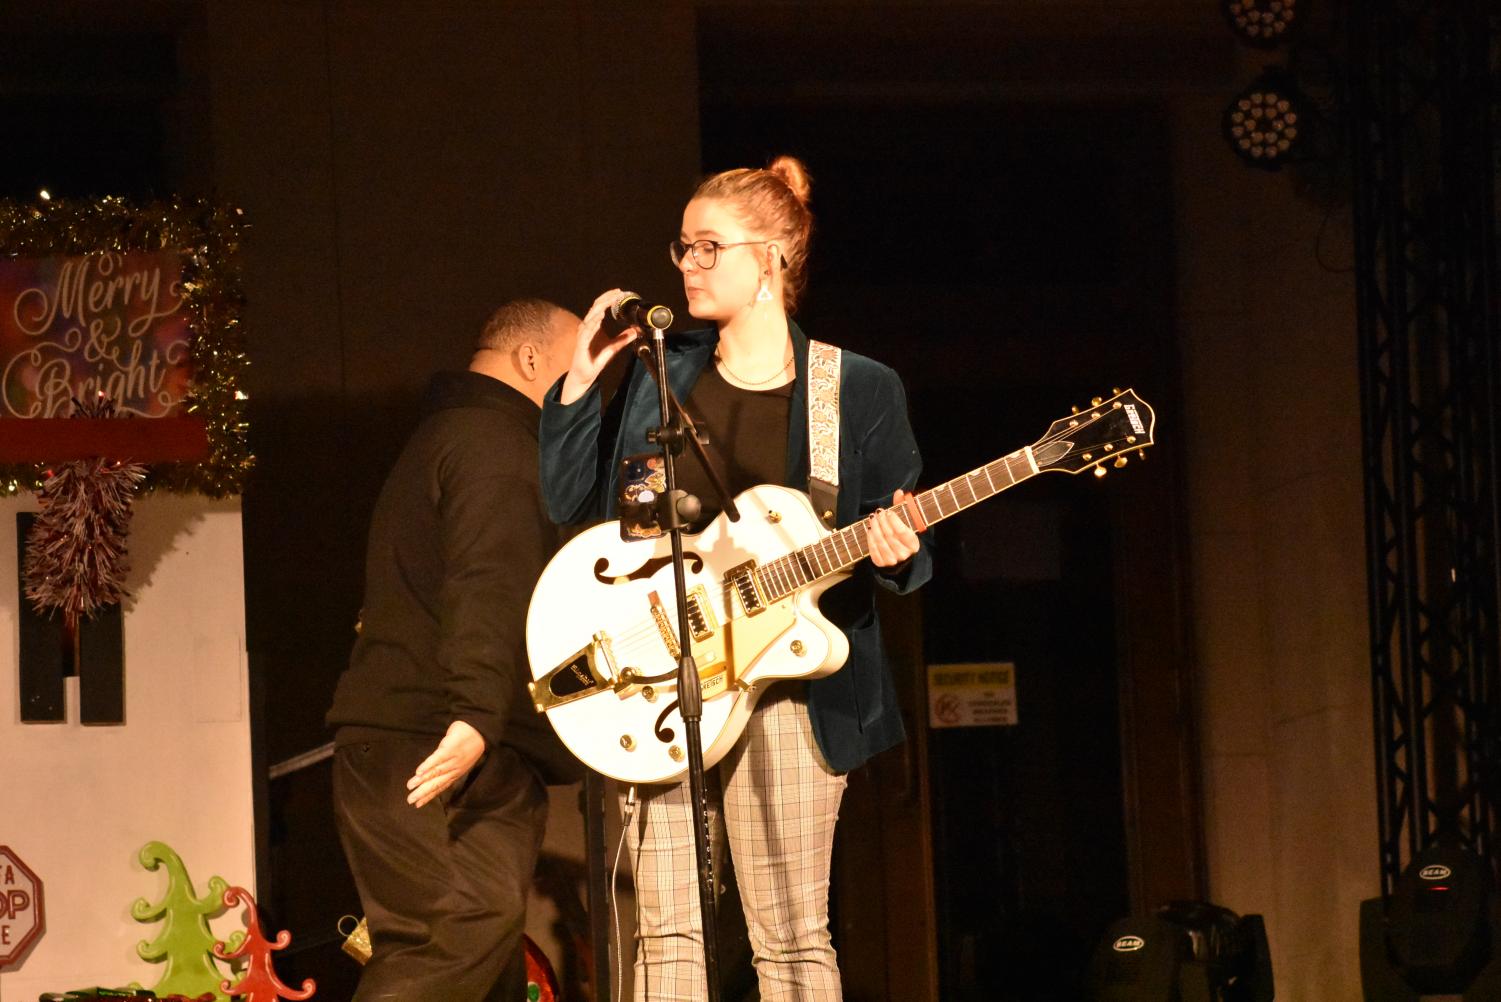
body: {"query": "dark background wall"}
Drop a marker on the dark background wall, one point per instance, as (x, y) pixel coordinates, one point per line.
(1019, 206)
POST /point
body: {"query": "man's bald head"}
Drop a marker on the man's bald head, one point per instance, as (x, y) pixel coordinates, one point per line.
(527, 343)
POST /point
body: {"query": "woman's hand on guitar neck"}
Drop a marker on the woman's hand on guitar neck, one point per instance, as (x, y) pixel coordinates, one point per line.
(594, 348)
(890, 540)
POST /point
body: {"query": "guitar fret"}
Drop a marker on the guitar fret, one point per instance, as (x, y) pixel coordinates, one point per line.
(774, 580)
(928, 506)
(788, 571)
(840, 539)
(970, 490)
(989, 479)
(811, 562)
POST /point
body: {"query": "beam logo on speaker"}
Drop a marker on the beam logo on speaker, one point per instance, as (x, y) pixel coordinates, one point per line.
(1436, 871)
(1128, 944)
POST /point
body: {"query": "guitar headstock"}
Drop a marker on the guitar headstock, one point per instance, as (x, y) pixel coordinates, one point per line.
(1097, 437)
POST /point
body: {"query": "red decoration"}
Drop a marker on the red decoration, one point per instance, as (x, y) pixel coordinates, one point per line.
(542, 980)
(21, 917)
(260, 983)
(145, 440)
(75, 552)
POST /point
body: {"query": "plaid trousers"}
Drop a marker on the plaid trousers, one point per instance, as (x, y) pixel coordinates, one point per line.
(778, 806)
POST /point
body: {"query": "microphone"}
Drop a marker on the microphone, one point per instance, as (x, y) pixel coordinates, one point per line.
(631, 311)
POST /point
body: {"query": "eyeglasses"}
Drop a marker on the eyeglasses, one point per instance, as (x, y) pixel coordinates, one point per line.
(705, 252)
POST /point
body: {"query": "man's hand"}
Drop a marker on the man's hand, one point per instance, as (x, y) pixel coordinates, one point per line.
(455, 755)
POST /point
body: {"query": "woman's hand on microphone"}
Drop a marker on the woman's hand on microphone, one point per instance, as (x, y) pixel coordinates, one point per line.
(594, 347)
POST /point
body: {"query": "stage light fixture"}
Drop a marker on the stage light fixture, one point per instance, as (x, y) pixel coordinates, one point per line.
(1189, 951)
(1265, 122)
(1264, 23)
(1439, 934)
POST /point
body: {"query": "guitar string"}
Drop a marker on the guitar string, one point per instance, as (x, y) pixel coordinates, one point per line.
(826, 549)
(642, 639)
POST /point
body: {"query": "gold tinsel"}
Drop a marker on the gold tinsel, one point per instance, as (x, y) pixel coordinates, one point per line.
(208, 237)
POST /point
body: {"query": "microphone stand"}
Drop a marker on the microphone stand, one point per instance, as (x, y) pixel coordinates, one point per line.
(677, 428)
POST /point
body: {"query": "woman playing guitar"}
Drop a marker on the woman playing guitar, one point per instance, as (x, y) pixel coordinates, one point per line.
(742, 253)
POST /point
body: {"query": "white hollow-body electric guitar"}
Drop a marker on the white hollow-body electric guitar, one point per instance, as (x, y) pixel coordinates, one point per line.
(602, 632)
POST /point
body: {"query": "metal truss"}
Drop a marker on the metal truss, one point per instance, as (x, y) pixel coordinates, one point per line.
(1423, 88)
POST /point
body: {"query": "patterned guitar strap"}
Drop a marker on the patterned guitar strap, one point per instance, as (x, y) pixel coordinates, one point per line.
(823, 430)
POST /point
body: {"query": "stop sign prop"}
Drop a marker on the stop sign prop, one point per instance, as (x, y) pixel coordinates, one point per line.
(21, 917)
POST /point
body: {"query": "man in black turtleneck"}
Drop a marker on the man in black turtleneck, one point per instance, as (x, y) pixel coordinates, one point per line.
(441, 760)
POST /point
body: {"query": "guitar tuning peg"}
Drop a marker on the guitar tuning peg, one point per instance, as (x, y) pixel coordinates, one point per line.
(1074, 410)
(1099, 471)
(1096, 401)
(1120, 461)
(1115, 391)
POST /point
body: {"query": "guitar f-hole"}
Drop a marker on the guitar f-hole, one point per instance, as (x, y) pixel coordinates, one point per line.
(646, 570)
(666, 735)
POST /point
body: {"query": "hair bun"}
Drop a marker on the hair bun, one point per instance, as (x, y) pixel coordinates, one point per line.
(794, 175)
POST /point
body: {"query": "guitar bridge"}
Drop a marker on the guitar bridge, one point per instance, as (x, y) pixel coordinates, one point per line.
(590, 670)
(743, 580)
(701, 621)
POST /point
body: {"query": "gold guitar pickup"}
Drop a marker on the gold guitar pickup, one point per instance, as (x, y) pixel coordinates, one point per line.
(742, 581)
(590, 670)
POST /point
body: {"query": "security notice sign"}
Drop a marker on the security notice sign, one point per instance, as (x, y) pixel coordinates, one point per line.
(20, 907)
(972, 695)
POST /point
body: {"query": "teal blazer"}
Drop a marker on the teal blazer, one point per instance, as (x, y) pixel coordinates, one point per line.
(854, 711)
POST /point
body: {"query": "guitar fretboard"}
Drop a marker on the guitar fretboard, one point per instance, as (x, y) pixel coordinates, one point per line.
(848, 546)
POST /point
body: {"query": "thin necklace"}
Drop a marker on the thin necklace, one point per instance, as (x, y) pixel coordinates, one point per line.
(750, 382)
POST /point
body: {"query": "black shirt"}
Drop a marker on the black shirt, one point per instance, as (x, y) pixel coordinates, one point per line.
(747, 432)
(457, 540)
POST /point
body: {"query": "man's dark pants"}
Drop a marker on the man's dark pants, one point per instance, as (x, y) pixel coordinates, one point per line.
(444, 887)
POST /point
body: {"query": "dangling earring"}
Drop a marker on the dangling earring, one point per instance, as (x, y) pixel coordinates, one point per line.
(763, 294)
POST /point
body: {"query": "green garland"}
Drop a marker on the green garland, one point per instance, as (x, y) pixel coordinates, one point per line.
(208, 237)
